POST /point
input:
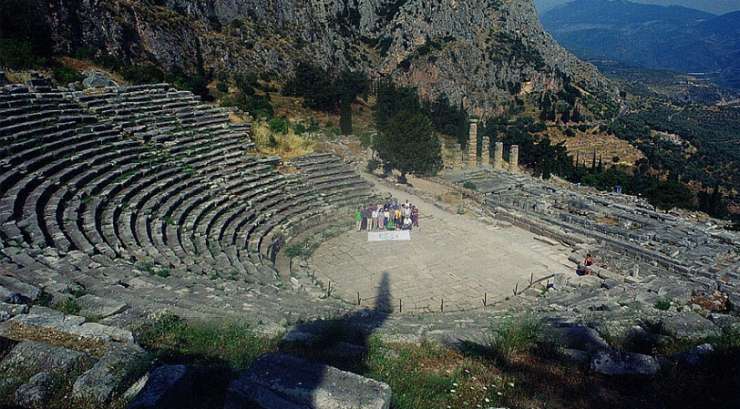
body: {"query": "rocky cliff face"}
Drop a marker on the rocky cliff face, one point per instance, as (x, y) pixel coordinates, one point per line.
(480, 52)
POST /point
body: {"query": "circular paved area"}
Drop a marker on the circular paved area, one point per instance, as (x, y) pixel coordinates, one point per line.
(451, 257)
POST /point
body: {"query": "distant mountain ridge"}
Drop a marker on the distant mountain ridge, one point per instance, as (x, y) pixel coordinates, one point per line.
(709, 6)
(656, 37)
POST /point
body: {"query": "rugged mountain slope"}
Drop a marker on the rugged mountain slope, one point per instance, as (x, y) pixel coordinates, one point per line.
(480, 52)
(657, 37)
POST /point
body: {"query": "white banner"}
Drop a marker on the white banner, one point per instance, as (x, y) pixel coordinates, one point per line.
(393, 235)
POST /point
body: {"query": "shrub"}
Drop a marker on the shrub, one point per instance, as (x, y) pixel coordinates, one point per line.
(222, 87)
(470, 185)
(279, 125)
(299, 129)
(66, 75)
(313, 125)
(511, 336)
(69, 306)
(663, 304)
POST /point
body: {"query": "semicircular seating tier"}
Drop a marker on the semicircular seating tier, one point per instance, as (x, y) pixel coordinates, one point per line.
(148, 194)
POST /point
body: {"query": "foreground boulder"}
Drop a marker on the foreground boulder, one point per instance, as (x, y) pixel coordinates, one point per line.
(616, 363)
(279, 381)
(35, 357)
(36, 392)
(111, 374)
(168, 386)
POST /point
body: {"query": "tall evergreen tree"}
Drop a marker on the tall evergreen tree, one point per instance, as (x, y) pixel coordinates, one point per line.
(407, 143)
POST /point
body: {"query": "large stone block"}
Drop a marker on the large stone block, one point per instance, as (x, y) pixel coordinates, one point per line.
(8, 311)
(111, 374)
(93, 306)
(45, 318)
(35, 357)
(689, 325)
(279, 381)
(102, 332)
(577, 337)
(36, 392)
(617, 363)
(168, 386)
(11, 285)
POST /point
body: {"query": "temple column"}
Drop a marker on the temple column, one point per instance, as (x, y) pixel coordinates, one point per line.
(485, 154)
(473, 144)
(514, 158)
(498, 155)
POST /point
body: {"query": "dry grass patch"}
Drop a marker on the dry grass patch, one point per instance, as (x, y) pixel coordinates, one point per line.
(19, 332)
(286, 145)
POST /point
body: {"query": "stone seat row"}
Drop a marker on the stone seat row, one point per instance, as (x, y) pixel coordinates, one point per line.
(83, 201)
(334, 180)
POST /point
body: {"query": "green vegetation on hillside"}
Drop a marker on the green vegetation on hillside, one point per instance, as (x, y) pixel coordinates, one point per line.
(546, 159)
(322, 91)
(406, 140)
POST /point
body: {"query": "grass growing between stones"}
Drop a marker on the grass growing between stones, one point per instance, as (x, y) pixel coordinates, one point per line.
(69, 306)
(511, 336)
(226, 344)
(432, 376)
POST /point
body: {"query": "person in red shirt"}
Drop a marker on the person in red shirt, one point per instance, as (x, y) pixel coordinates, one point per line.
(589, 261)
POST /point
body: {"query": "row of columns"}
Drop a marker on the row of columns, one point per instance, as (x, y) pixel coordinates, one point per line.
(485, 157)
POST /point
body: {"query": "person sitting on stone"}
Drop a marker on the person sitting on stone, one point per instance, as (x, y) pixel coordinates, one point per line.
(588, 261)
(584, 268)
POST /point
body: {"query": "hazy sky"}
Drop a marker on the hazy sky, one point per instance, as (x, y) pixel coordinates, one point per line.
(712, 6)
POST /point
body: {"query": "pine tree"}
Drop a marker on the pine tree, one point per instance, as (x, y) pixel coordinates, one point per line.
(407, 143)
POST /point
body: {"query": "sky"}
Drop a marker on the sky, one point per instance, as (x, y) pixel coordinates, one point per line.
(711, 6)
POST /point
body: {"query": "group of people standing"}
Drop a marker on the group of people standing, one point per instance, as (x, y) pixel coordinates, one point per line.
(388, 216)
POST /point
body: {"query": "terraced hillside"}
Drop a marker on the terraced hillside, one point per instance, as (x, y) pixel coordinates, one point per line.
(148, 196)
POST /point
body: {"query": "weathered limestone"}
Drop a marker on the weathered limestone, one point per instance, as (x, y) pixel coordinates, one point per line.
(485, 158)
(168, 386)
(92, 306)
(514, 158)
(36, 392)
(8, 311)
(616, 363)
(498, 156)
(473, 144)
(279, 381)
(108, 375)
(35, 357)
